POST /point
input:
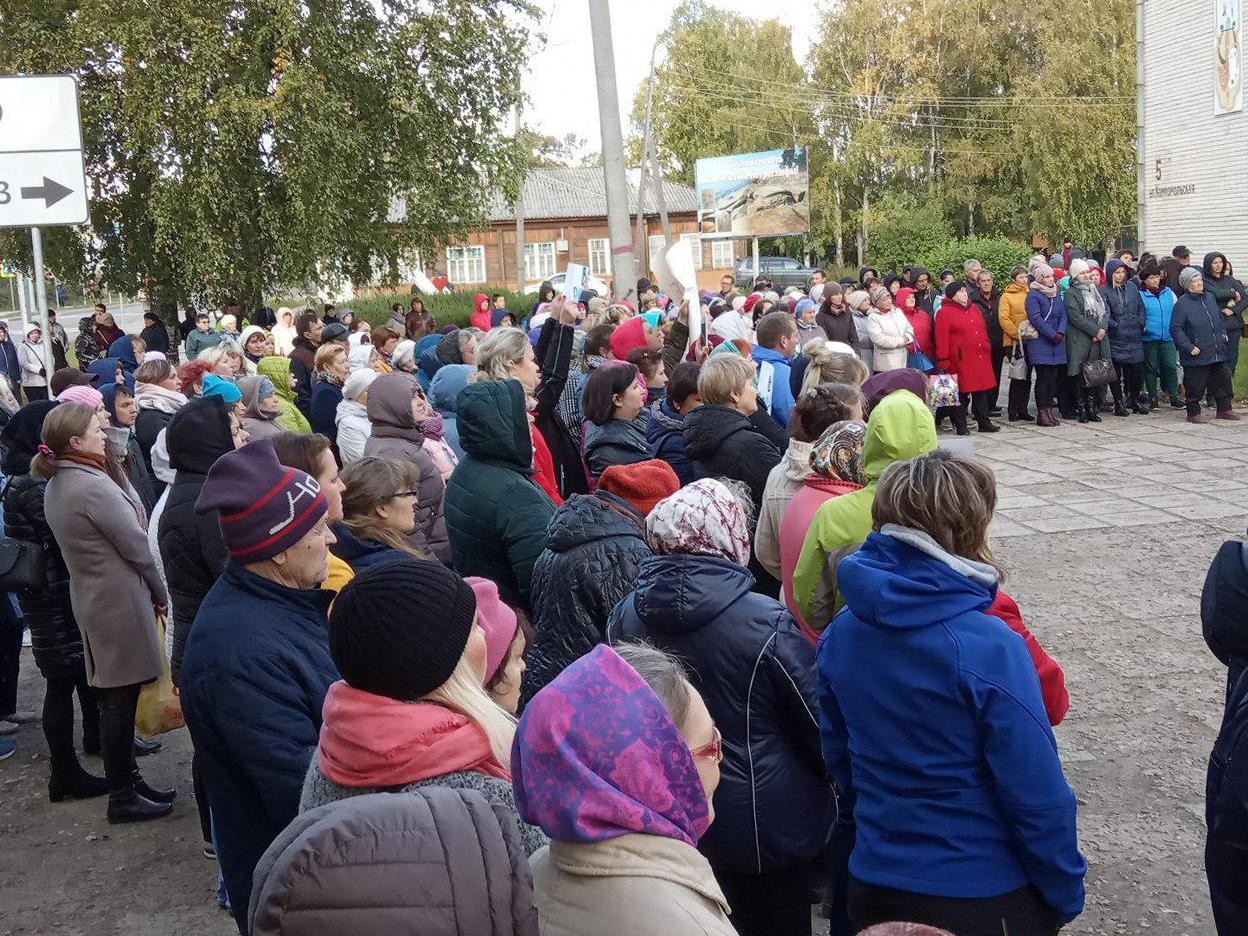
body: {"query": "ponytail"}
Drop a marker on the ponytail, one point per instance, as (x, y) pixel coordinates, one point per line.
(62, 423)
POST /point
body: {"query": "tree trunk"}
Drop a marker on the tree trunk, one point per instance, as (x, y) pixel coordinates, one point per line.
(836, 220)
(862, 226)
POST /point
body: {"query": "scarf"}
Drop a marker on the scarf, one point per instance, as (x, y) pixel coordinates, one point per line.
(432, 426)
(1095, 301)
(90, 459)
(369, 740)
(1049, 291)
(703, 519)
(330, 378)
(156, 397)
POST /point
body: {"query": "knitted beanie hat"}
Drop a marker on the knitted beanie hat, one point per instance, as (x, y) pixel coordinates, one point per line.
(1186, 275)
(265, 507)
(399, 628)
(358, 382)
(703, 518)
(877, 293)
(643, 484)
(1078, 266)
(855, 298)
(218, 386)
(81, 393)
(497, 619)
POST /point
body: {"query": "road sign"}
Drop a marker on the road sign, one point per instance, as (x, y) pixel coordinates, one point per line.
(42, 180)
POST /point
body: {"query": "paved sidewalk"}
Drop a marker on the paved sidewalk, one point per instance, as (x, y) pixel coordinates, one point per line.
(1106, 531)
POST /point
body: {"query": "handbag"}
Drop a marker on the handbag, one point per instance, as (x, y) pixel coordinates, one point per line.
(1099, 373)
(942, 390)
(159, 710)
(23, 564)
(918, 360)
(1027, 331)
(1018, 364)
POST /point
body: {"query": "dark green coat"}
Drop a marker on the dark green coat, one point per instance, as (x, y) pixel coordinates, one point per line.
(1083, 320)
(496, 517)
(1223, 289)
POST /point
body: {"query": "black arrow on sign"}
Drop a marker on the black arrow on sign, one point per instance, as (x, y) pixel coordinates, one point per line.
(51, 192)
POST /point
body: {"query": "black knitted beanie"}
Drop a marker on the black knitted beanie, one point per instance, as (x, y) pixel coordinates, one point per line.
(399, 628)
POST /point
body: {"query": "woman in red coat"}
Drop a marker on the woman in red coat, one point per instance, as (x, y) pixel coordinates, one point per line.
(920, 321)
(963, 348)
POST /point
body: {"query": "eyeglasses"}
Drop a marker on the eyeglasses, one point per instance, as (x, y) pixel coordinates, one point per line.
(714, 750)
(415, 494)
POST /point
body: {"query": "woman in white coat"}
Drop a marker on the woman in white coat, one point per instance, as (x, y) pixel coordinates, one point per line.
(34, 368)
(890, 332)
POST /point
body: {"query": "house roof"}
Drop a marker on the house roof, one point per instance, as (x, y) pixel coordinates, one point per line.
(581, 193)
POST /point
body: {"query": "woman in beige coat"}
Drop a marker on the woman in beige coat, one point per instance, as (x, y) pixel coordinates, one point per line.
(115, 590)
(617, 760)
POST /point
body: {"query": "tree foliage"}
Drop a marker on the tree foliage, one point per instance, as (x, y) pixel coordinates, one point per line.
(234, 146)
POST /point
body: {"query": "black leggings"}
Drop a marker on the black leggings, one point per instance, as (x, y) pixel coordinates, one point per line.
(1021, 912)
(1130, 379)
(117, 708)
(58, 717)
(1046, 384)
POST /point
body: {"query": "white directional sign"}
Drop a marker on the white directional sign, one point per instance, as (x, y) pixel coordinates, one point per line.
(42, 180)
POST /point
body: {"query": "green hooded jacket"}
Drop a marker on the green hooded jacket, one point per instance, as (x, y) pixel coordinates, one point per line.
(277, 369)
(901, 427)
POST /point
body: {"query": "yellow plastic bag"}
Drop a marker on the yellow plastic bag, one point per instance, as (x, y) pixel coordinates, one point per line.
(160, 709)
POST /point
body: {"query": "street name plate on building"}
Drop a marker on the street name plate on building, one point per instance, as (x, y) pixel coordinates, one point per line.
(42, 180)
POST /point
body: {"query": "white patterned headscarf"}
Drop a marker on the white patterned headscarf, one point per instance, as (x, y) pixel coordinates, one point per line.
(702, 519)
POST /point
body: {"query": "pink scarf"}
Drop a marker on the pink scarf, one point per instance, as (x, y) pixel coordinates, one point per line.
(371, 741)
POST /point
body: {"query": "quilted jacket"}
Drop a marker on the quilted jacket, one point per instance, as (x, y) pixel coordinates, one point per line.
(594, 548)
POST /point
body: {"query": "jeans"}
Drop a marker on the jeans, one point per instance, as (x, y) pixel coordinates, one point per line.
(1161, 359)
(1021, 912)
(1046, 384)
(58, 718)
(117, 707)
(1215, 378)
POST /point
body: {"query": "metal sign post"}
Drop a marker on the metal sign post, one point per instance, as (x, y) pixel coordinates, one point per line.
(42, 175)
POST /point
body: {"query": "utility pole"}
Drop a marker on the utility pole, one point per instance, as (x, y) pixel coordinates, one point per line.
(623, 260)
(520, 277)
(1141, 174)
(41, 299)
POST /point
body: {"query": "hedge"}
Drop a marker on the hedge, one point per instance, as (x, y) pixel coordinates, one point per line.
(447, 308)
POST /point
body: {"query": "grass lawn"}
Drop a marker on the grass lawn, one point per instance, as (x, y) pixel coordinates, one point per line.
(1241, 376)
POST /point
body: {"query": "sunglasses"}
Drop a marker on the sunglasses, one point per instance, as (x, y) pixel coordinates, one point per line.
(714, 750)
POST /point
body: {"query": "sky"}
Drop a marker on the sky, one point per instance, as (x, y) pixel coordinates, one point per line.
(560, 82)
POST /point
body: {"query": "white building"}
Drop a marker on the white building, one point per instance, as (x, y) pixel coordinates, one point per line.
(1193, 128)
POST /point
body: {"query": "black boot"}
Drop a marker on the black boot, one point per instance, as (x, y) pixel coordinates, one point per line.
(152, 793)
(1120, 410)
(128, 806)
(1083, 412)
(74, 783)
(987, 425)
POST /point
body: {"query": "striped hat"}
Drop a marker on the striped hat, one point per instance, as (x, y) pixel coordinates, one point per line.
(265, 507)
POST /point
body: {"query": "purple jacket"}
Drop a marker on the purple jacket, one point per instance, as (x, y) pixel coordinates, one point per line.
(1048, 317)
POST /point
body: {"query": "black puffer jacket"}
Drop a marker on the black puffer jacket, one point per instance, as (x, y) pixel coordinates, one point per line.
(723, 444)
(619, 442)
(54, 635)
(774, 809)
(594, 548)
(191, 546)
(147, 428)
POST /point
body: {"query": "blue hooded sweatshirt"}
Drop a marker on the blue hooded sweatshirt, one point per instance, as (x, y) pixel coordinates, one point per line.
(942, 739)
(773, 383)
(443, 393)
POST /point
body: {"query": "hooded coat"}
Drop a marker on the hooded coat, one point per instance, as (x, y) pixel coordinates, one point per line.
(962, 796)
(85, 348)
(437, 862)
(444, 392)
(722, 444)
(353, 430)
(1197, 323)
(963, 347)
(289, 416)
(396, 434)
(54, 636)
(192, 548)
(258, 423)
(1126, 317)
(1012, 312)
(496, 515)
(595, 545)
(899, 428)
(1225, 289)
(773, 807)
(665, 433)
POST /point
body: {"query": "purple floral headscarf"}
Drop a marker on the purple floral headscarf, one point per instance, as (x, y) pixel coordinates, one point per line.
(596, 756)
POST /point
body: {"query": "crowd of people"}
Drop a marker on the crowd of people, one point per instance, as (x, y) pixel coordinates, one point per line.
(557, 621)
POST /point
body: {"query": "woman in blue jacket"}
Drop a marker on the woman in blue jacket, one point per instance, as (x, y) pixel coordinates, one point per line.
(964, 820)
(1160, 359)
(1047, 351)
(378, 513)
(774, 809)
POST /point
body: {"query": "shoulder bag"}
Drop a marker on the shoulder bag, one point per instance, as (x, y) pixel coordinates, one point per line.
(23, 564)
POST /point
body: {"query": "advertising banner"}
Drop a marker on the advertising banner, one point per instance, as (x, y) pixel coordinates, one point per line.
(1228, 74)
(754, 194)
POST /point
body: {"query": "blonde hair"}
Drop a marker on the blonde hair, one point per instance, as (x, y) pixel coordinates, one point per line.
(497, 350)
(62, 423)
(722, 376)
(370, 482)
(948, 497)
(462, 692)
(153, 372)
(325, 355)
(830, 366)
(219, 352)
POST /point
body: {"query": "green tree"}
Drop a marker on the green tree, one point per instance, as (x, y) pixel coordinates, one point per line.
(234, 146)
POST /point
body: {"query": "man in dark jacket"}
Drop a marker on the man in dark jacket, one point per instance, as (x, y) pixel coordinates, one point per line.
(1200, 338)
(1180, 258)
(9, 364)
(257, 665)
(303, 358)
(987, 299)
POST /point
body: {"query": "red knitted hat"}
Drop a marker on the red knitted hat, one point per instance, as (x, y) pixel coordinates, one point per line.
(642, 484)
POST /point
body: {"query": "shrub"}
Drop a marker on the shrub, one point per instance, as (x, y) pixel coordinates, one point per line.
(900, 233)
(448, 308)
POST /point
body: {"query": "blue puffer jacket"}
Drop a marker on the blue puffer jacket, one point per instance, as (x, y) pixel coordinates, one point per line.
(1048, 317)
(780, 402)
(1158, 310)
(1197, 323)
(663, 432)
(774, 807)
(942, 739)
(444, 392)
(358, 553)
(254, 677)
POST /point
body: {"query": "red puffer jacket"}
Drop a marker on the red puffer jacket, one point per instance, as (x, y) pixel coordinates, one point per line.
(1052, 679)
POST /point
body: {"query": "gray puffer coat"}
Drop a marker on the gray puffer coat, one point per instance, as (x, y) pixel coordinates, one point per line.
(435, 862)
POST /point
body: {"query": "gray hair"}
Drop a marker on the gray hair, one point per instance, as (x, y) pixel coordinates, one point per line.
(466, 336)
(970, 264)
(663, 673)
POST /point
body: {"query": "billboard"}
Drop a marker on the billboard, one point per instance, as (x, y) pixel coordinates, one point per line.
(754, 194)
(1228, 75)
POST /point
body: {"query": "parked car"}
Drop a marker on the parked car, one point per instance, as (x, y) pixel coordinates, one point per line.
(592, 282)
(784, 272)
